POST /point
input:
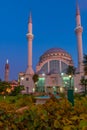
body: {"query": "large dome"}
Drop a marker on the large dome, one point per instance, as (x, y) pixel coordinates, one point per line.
(54, 60)
(55, 50)
(54, 53)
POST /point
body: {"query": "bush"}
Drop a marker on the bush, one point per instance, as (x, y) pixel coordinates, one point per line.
(55, 114)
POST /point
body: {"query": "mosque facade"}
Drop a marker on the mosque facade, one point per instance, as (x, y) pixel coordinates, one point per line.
(52, 65)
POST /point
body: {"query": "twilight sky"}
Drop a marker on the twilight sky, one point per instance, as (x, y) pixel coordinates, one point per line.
(53, 26)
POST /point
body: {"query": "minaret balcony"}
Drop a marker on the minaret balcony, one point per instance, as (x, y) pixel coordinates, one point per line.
(30, 35)
(79, 29)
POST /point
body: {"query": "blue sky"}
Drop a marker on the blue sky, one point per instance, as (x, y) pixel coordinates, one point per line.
(53, 26)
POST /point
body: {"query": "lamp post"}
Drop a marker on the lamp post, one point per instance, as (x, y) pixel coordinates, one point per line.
(22, 78)
(43, 75)
(70, 77)
(71, 91)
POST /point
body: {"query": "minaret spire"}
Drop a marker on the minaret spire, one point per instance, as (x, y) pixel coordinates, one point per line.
(78, 31)
(30, 18)
(30, 39)
(30, 24)
(77, 8)
(7, 71)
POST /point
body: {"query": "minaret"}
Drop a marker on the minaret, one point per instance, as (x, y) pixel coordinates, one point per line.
(7, 71)
(30, 38)
(78, 31)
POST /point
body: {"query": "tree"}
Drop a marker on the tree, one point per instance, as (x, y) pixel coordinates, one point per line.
(83, 82)
(85, 63)
(17, 90)
(35, 78)
(4, 86)
(70, 70)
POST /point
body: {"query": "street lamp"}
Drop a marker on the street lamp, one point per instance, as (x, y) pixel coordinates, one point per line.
(22, 78)
(70, 92)
(43, 75)
(70, 77)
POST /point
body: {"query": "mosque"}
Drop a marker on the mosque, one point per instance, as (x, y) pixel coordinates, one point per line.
(52, 65)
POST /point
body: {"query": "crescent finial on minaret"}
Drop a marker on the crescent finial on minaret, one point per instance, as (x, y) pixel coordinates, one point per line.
(7, 61)
(77, 8)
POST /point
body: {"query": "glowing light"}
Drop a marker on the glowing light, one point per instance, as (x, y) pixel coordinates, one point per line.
(66, 78)
(61, 89)
(62, 74)
(33, 89)
(43, 74)
(7, 61)
(54, 87)
(70, 76)
(8, 90)
(65, 82)
(76, 89)
(22, 78)
(41, 78)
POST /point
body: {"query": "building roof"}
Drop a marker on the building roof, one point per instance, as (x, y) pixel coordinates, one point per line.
(55, 50)
(55, 53)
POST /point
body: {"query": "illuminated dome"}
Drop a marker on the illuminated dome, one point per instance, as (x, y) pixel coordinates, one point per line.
(54, 60)
(55, 50)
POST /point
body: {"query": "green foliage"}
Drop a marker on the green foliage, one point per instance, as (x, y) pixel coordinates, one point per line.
(63, 95)
(3, 87)
(35, 78)
(85, 63)
(83, 124)
(70, 70)
(55, 114)
(17, 90)
(25, 101)
(83, 82)
(78, 96)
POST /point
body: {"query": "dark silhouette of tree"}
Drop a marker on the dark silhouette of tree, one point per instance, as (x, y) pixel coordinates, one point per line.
(85, 64)
(35, 78)
(17, 90)
(3, 87)
(83, 82)
(70, 70)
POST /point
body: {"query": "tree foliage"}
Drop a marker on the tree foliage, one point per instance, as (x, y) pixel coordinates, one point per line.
(55, 114)
(70, 70)
(17, 90)
(4, 86)
(35, 78)
(85, 63)
(83, 82)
